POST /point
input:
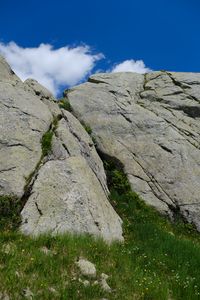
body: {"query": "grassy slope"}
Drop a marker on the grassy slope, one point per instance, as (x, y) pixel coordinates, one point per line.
(158, 260)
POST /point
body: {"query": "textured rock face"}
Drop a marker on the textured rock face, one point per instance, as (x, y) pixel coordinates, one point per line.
(23, 121)
(64, 190)
(151, 124)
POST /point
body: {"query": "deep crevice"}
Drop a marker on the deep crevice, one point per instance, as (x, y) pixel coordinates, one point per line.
(97, 81)
(166, 148)
(125, 117)
(38, 209)
(66, 149)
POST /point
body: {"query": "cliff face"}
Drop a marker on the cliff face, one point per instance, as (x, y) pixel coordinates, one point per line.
(150, 123)
(48, 160)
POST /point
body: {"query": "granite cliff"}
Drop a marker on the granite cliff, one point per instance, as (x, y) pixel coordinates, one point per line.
(148, 123)
(61, 189)
(151, 124)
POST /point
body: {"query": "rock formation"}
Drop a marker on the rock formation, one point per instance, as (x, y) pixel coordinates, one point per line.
(63, 189)
(150, 123)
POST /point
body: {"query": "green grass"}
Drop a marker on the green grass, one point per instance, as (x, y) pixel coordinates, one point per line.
(46, 142)
(158, 260)
(64, 104)
(87, 128)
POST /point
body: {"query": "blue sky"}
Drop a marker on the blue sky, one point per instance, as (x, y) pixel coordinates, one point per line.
(163, 34)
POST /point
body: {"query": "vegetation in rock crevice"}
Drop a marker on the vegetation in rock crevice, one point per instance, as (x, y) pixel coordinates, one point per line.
(65, 104)
(10, 207)
(120, 188)
(46, 143)
(88, 129)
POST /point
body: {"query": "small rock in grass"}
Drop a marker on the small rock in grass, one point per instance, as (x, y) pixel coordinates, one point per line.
(104, 276)
(27, 293)
(4, 296)
(84, 282)
(45, 250)
(86, 267)
(104, 284)
(52, 290)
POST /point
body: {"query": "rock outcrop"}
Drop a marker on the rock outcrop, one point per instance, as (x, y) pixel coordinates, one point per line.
(63, 188)
(151, 124)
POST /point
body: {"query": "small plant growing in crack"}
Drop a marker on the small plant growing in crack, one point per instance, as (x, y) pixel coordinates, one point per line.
(56, 119)
(46, 142)
(94, 140)
(87, 128)
(64, 104)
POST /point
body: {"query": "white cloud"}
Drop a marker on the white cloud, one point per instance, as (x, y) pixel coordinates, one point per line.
(131, 65)
(51, 67)
(65, 66)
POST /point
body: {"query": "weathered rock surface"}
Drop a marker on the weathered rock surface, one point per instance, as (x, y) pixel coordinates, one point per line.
(148, 122)
(23, 121)
(151, 124)
(64, 190)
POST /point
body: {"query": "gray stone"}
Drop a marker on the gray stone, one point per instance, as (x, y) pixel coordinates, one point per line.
(84, 282)
(151, 124)
(104, 285)
(86, 268)
(28, 293)
(70, 191)
(66, 190)
(37, 89)
(53, 290)
(4, 296)
(6, 73)
(67, 196)
(45, 250)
